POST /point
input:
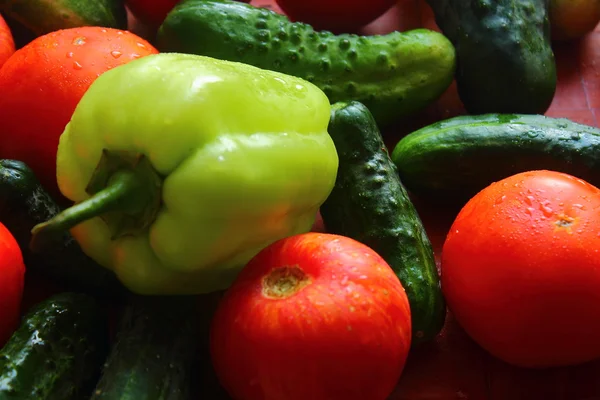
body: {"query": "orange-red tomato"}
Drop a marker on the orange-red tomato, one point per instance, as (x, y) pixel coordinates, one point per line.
(42, 83)
(313, 316)
(7, 44)
(521, 269)
(335, 15)
(12, 277)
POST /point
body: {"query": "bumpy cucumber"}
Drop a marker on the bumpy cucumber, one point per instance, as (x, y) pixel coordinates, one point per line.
(155, 346)
(505, 62)
(42, 16)
(454, 159)
(370, 204)
(57, 352)
(393, 75)
(23, 204)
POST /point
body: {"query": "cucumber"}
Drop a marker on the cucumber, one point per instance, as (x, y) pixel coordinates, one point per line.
(394, 75)
(154, 350)
(57, 352)
(505, 62)
(454, 159)
(369, 203)
(23, 204)
(43, 16)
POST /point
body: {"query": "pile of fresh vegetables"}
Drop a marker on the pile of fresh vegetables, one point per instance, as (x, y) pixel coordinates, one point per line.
(168, 187)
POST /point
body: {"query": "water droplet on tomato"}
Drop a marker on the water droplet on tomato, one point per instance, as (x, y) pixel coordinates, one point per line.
(103, 30)
(529, 200)
(499, 200)
(529, 210)
(580, 206)
(141, 45)
(116, 53)
(79, 41)
(363, 277)
(547, 211)
(76, 65)
(70, 54)
(134, 55)
(344, 281)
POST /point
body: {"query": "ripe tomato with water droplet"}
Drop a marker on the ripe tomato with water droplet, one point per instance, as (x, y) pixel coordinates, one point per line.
(313, 316)
(42, 83)
(522, 275)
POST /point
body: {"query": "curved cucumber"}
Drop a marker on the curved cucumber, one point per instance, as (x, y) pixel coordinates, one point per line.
(504, 54)
(394, 75)
(370, 204)
(23, 204)
(42, 16)
(57, 352)
(456, 158)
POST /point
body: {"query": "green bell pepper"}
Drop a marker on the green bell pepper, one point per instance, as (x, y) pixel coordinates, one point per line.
(183, 167)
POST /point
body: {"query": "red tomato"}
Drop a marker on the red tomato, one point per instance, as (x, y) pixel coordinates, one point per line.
(42, 83)
(7, 44)
(314, 316)
(12, 277)
(151, 12)
(521, 269)
(335, 15)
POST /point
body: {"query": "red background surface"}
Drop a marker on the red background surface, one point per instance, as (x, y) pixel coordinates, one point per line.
(453, 366)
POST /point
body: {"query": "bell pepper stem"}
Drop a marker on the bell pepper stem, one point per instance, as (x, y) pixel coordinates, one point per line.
(128, 203)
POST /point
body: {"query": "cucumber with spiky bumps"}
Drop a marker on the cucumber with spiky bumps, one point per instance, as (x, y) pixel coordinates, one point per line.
(370, 204)
(154, 349)
(394, 75)
(57, 351)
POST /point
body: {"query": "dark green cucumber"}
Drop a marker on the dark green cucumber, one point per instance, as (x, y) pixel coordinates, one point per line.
(394, 74)
(23, 204)
(454, 159)
(369, 203)
(57, 352)
(505, 62)
(154, 350)
(43, 16)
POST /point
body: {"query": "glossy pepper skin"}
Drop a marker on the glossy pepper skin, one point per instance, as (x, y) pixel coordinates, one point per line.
(184, 167)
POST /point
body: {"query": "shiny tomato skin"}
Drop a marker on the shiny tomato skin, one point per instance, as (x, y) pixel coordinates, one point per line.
(335, 15)
(12, 278)
(521, 269)
(7, 43)
(344, 335)
(42, 82)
